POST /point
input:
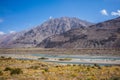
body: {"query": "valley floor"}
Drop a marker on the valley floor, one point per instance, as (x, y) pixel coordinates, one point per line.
(38, 64)
(86, 51)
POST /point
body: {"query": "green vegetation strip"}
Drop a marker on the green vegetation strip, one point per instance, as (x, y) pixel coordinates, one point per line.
(65, 59)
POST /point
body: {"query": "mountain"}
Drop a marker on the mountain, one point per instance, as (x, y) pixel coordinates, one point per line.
(34, 36)
(102, 35)
(6, 41)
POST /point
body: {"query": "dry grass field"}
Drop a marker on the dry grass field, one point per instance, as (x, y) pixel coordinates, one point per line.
(13, 69)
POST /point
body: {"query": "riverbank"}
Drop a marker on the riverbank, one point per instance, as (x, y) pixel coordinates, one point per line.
(67, 59)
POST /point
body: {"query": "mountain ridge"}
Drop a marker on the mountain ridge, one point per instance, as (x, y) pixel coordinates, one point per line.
(35, 35)
(101, 35)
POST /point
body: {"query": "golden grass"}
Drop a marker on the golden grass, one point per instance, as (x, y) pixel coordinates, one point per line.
(36, 70)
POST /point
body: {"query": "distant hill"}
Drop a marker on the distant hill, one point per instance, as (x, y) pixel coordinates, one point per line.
(102, 35)
(34, 36)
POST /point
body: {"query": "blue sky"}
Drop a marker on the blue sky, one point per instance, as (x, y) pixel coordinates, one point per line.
(18, 15)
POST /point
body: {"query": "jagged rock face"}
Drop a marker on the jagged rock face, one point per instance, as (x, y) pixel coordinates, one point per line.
(101, 35)
(34, 36)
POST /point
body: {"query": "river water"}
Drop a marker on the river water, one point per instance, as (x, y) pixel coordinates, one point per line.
(75, 59)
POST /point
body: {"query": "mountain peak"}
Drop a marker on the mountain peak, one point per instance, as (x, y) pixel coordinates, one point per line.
(66, 21)
(49, 28)
(102, 35)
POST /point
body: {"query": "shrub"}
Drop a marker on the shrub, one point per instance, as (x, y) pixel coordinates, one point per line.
(9, 58)
(13, 71)
(65, 59)
(42, 58)
(68, 64)
(2, 57)
(74, 64)
(115, 78)
(5, 58)
(34, 67)
(96, 65)
(7, 69)
(16, 71)
(46, 69)
(1, 73)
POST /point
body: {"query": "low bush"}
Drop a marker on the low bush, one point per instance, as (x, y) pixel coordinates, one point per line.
(1, 73)
(96, 65)
(46, 69)
(16, 71)
(2, 57)
(65, 59)
(42, 58)
(34, 67)
(7, 69)
(9, 58)
(115, 78)
(13, 70)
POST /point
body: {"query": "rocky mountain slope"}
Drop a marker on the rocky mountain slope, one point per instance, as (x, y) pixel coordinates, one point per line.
(33, 37)
(102, 35)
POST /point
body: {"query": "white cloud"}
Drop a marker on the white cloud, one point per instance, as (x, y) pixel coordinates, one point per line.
(12, 32)
(50, 17)
(104, 12)
(1, 20)
(116, 13)
(2, 33)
